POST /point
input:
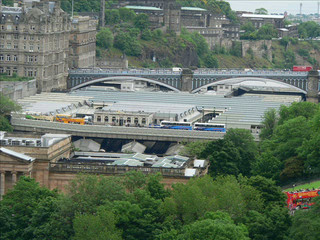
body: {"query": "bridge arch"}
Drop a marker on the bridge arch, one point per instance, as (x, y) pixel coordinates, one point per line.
(123, 78)
(243, 79)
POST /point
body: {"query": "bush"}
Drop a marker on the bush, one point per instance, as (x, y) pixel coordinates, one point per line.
(104, 38)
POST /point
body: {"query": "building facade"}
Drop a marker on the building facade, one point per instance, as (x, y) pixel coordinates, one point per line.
(34, 42)
(168, 16)
(82, 42)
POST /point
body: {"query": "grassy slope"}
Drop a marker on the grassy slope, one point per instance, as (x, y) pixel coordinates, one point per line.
(305, 186)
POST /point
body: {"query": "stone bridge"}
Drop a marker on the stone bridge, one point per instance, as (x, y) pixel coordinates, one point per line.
(186, 80)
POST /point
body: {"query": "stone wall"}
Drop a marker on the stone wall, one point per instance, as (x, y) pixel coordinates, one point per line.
(18, 90)
(261, 49)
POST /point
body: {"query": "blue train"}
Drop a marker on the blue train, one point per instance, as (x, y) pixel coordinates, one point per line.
(197, 126)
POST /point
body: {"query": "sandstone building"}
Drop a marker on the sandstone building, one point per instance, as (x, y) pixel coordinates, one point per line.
(35, 39)
(35, 42)
(49, 159)
(82, 42)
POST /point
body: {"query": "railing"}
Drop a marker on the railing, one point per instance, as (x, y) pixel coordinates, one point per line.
(126, 71)
(149, 72)
(113, 170)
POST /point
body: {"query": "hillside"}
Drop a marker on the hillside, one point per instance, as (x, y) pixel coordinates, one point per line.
(173, 54)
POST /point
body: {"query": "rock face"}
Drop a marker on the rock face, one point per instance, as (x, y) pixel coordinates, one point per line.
(177, 53)
(261, 48)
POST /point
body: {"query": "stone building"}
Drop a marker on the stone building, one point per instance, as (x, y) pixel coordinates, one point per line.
(82, 42)
(30, 155)
(258, 20)
(49, 161)
(34, 42)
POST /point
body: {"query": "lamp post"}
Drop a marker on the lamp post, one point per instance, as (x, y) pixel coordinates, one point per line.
(203, 114)
(214, 112)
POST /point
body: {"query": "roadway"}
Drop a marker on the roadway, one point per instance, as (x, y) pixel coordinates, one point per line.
(132, 133)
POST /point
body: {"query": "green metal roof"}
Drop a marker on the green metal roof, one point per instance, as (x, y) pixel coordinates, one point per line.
(144, 8)
(193, 9)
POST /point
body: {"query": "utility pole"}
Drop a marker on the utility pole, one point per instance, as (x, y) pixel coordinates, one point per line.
(72, 9)
(102, 13)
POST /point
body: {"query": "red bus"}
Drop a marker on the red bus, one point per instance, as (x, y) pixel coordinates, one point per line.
(301, 200)
(301, 68)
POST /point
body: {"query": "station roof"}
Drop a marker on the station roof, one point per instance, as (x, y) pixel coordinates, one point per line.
(148, 107)
(246, 109)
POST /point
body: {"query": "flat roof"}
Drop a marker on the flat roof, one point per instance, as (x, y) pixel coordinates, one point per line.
(247, 15)
(143, 8)
(193, 9)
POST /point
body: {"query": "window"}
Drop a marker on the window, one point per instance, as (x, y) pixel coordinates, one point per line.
(30, 58)
(98, 118)
(15, 46)
(1, 70)
(8, 37)
(1, 45)
(2, 27)
(136, 120)
(114, 119)
(25, 37)
(35, 58)
(1, 57)
(32, 27)
(16, 28)
(16, 36)
(143, 121)
(106, 119)
(8, 45)
(129, 120)
(15, 58)
(31, 48)
(8, 57)
(8, 71)
(15, 70)
(9, 27)
(31, 37)
(2, 36)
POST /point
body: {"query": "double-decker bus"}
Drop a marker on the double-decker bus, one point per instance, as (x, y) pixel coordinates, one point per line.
(210, 127)
(176, 125)
(301, 200)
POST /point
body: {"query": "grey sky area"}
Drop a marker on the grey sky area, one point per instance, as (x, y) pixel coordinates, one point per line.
(276, 6)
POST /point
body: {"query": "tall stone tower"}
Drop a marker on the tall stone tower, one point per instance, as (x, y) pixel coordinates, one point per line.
(172, 15)
(313, 86)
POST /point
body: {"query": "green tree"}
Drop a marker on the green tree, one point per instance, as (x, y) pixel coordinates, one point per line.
(262, 11)
(18, 206)
(126, 15)
(100, 226)
(112, 16)
(215, 225)
(146, 35)
(296, 109)
(211, 61)
(142, 21)
(270, 120)
(267, 32)
(104, 38)
(7, 106)
(248, 150)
